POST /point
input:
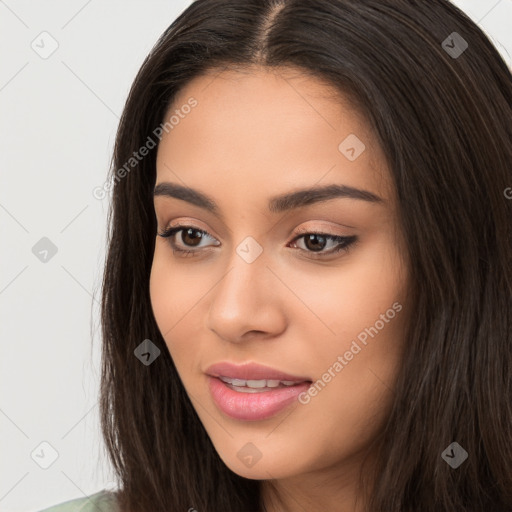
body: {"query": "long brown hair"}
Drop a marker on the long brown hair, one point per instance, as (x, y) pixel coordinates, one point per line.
(444, 121)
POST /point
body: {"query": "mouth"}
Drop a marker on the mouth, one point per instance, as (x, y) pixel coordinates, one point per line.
(258, 386)
(253, 392)
(253, 375)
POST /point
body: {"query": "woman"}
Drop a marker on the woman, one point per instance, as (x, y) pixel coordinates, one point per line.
(307, 296)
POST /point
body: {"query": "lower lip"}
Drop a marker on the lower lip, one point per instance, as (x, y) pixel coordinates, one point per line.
(253, 406)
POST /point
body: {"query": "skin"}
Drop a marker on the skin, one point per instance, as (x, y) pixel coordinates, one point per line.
(254, 134)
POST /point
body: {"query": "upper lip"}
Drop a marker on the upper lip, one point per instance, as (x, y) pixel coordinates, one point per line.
(251, 371)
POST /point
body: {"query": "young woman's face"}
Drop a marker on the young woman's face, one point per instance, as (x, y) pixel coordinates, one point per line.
(257, 287)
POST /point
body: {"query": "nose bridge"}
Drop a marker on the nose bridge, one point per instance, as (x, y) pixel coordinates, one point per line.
(240, 301)
(247, 271)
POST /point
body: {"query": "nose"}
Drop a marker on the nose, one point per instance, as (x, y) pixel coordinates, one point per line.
(247, 301)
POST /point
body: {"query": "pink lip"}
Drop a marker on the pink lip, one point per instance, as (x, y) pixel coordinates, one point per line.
(253, 406)
(250, 371)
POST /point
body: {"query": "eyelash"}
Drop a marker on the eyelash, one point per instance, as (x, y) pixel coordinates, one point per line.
(344, 242)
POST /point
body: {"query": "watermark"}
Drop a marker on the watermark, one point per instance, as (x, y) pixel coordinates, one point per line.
(44, 250)
(454, 45)
(508, 193)
(44, 455)
(100, 192)
(44, 45)
(146, 352)
(355, 348)
(249, 250)
(454, 455)
(351, 147)
(249, 454)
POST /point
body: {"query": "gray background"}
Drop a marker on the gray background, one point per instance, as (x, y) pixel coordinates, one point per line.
(59, 114)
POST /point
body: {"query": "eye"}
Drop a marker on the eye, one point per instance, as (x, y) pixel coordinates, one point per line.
(314, 242)
(190, 236)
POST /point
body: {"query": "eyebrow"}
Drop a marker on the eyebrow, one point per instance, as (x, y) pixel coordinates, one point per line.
(276, 204)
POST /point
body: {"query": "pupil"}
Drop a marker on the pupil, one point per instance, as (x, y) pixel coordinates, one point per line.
(315, 247)
(195, 239)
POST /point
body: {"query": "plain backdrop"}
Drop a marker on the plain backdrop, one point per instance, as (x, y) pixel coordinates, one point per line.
(65, 72)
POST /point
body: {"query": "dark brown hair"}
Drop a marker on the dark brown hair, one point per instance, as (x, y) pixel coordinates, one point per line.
(444, 123)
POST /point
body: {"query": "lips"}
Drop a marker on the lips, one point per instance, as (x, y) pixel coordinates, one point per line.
(252, 372)
(256, 405)
(253, 392)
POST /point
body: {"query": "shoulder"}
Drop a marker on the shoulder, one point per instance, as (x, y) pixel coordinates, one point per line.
(103, 501)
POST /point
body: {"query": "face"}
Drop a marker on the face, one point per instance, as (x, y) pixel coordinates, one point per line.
(312, 286)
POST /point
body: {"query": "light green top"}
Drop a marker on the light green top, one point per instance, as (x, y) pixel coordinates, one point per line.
(103, 501)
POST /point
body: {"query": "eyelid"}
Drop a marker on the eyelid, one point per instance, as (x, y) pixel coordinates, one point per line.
(176, 228)
(298, 231)
(345, 242)
(317, 231)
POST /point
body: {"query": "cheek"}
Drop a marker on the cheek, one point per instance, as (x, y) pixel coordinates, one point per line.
(176, 293)
(371, 322)
(357, 363)
(347, 299)
(173, 291)
(161, 292)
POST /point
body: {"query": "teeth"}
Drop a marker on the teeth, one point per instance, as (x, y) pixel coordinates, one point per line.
(257, 384)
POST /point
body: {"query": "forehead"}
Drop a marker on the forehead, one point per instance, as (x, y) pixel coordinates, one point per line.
(268, 129)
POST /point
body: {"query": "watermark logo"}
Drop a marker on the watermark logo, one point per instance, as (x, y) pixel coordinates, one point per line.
(454, 455)
(249, 249)
(44, 455)
(249, 454)
(351, 147)
(146, 352)
(44, 250)
(45, 45)
(454, 45)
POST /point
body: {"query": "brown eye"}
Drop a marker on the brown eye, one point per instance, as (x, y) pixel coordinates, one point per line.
(315, 243)
(190, 237)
